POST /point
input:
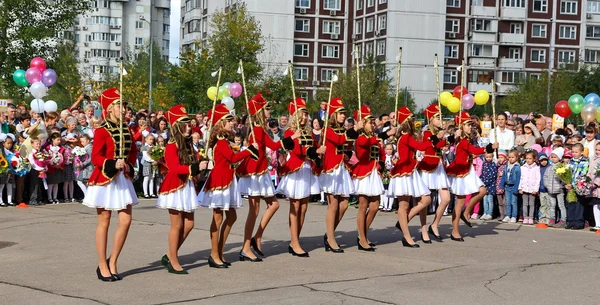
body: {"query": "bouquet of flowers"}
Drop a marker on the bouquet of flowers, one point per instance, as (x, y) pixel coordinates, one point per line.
(157, 153)
(69, 157)
(80, 157)
(385, 176)
(3, 165)
(18, 165)
(56, 160)
(41, 159)
(565, 174)
(583, 185)
(202, 156)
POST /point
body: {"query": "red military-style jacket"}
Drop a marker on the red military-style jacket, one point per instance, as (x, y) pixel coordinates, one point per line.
(432, 154)
(463, 157)
(177, 174)
(223, 171)
(258, 167)
(339, 143)
(305, 147)
(407, 162)
(368, 151)
(105, 151)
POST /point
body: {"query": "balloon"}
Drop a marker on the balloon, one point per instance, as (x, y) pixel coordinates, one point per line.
(468, 101)
(576, 103)
(453, 105)
(33, 75)
(536, 147)
(457, 91)
(228, 102)
(226, 85)
(212, 93)
(49, 77)
(592, 98)
(235, 89)
(37, 105)
(598, 116)
(38, 90)
(223, 93)
(50, 106)
(562, 109)
(482, 97)
(589, 112)
(19, 78)
(445, 97)
(38, 63)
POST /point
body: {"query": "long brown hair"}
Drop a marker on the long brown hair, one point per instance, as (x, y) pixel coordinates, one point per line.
(184, 144)
(307, 128)
(218, 131)
(407, 127)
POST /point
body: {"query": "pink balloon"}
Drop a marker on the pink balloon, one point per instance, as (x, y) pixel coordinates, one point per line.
(38, 63)
(536, 147)
(33, 75)
(235, 89)
(468, 101)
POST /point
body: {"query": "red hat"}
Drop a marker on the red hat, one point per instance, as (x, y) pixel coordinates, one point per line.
(300, 104)
(336, 105)
(108, 97)
(568, 154)
(403, 114)
(431, 111)
(256, 104)
(221, 113)
(177, 113)
(365, 113)
(462, 118)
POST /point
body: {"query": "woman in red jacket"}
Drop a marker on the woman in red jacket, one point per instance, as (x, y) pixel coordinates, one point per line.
(297, 171)
(220, 191)
(335, 178)
(463, 178)
(110, 187)
(178, 192)
(255, 181)
(365, 174)
(406, 182)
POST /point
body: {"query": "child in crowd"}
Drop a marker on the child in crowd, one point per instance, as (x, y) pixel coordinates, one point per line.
(529, 185)
(55, 168)
(37, 167)
(501, 166)
(196, 142)
(149, 167)
(555, 189)
(589, 143)
(387, 202)
(7, 179)
(489, 174)
(510, 183)
(69, 169)
(86, 167)
(580, 165)
(544, 196)
(595, 176)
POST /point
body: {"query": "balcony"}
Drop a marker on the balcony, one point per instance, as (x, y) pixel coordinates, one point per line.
(486, 11)
(513, 12)
(474, 87)
(512, 63)
(509, 38)
(489, 37)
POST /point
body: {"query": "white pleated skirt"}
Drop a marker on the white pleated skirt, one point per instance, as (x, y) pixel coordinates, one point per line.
(257, 185)
(183, 200)
(115, 196)
(437, 179)
(225, 199)
(370, 185)
(408, 185)
(299, 184)
(466, 185)
(338, 182)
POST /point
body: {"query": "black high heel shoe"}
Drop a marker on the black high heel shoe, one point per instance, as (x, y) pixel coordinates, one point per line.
(244, 257)
(254, 246)
(427, 241)
(116, 276)
(329, 248)
(294, 253)
(226, 263)
(164, 260)
(465, 220)
(430, 231)
(104, 278)
(398, 226)
(172, 270)
(406, 244)
(213, 264)
(456, 238)
(361, 248)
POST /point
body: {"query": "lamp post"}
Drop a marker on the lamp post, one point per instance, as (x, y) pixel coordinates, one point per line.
(142, 18)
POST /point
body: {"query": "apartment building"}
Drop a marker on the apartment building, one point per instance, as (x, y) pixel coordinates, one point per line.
(114, 27)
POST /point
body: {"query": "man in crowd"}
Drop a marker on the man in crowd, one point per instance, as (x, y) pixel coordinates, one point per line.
(283, 121)
(501, 134)
(321, 113)
(540, 123)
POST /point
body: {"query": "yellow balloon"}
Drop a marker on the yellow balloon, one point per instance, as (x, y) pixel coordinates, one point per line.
(212, 93)
(453, 105)
(445, 97)
(482, 97)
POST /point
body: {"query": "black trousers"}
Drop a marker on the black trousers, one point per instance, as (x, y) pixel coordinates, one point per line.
(575, 212)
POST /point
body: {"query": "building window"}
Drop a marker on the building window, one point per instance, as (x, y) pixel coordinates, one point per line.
(512, 77)
(593, 7)
(358, 27)
(483, 25)
(331, 27)
(359, 4)
(452, 26)
(590, 55)
(480, 76)
(568, 7)
(566, 57)
(139, 41)
(538, 55)
(370, 3)
(369, 50)
(303, 3)
(540, 6)
(301, 74)
(370, 25)
(381, 22)
(514, 3)
(451, 51)
(302, 25)
(304, 95)
(477, 3)
(301, 49)
(592, 31)
(538, 31)
(567, 32)
(450, 77)
(329, 51)
(332, 5)
(139, 24)
(535, 76)
(382, 1)
(514, 53)
(327, 74)
(516, 28)
(381, 48)
(166, 29)
(453, 3)
(482, 50)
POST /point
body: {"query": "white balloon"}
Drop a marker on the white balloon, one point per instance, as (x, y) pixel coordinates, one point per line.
(50, 106)
(38, 90)
(228, 102)
(37, 105)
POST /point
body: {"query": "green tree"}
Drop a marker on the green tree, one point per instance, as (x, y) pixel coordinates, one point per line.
(69, 84)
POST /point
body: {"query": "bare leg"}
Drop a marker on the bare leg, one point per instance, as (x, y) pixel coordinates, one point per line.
(444, 201)
(120, 237)
(421, 210)
(253, 210)
(475, 198)
(404, 203)
(460, 201)
(225, 229)
(175, 236)
(361, 220)
(102, 239)
(215, 227)
(342, 208)
(373, 209)
(188, 226)
(331, 219)
(272, 207)
(295, 225)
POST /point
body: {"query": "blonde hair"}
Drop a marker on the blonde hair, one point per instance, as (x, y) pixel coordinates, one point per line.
(307, 128)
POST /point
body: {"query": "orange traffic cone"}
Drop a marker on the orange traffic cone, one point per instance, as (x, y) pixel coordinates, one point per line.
(541, 225)
(22, 205)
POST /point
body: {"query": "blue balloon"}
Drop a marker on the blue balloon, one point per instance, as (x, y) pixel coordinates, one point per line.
(592, 98)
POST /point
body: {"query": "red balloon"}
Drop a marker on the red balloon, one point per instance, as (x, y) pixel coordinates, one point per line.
(457, 92)
(39, 63)
(562, 109)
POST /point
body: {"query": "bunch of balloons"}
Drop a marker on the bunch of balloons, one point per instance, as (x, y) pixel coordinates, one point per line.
(39, 78)
(225, 93)
(586, 106)
(452, 101)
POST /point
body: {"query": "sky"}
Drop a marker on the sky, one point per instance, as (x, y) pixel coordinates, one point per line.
(175, 28)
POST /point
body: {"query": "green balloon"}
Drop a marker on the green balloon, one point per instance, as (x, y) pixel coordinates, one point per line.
(576, 103)
(223, 92)
(19, 78)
